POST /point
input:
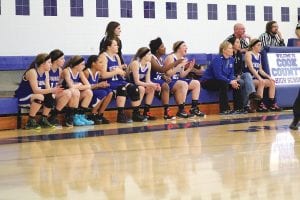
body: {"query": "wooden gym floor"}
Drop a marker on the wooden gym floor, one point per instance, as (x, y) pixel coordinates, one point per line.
(253, 156)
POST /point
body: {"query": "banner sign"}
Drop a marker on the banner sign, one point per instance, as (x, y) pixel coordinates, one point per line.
(285, 68)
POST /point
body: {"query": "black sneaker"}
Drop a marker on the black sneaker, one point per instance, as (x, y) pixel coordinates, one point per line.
(149, 116)
(32, 124)
(104, 120)
(69, 121)
(262, 108)
(53, 120)
(240, 111)
(45, 123)
(294, 124)
(274, 108)
(168, 115)
(197, 112)
(226, 112)
(137, 117)
(182, 114)
(122, 118)
(96, 119)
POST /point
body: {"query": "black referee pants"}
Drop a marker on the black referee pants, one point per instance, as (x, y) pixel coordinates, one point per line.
(296, 107)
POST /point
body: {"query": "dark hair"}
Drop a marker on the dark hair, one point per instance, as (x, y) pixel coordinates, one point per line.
(141, 52)
(155, 44)
(56, 54)
(73, 61)
(253, 42)
(269, 26)
(107, 43)
(232, 40)
(176, 45)
(39, 59)
(110, 29)
(92, 59)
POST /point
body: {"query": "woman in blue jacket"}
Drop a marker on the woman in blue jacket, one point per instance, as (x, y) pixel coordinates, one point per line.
(219, 76)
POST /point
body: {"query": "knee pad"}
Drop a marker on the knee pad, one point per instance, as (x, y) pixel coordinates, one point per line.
(121, 91)
(38, 101)
(49, 101)
(133, 92)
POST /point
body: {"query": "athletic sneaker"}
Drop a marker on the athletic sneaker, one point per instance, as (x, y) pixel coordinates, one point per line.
(32, 124)
(69, 121)
(53, 120)
(85, 120)
(122, 118)
(262, 108)
(104, 120)
(274, 108)
(226, 112)
(168, 115)
(45, 123)
(77, 120)
(149, 116)
(182, 114)
(240, 111)
(137, 117)
(96, 118)
(294, 124)
(197, 112)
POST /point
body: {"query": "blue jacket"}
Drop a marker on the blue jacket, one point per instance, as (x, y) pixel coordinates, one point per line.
(220, 69)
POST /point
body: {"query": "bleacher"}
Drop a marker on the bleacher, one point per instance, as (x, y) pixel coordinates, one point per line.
(12, 68)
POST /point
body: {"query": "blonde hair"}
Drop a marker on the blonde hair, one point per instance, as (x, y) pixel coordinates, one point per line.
(224, 45)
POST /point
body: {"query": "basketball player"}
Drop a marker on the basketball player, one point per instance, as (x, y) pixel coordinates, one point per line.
(35, 90)
(73, 78)
(179, 72)
(139, 74)
(113, 72)
(102, 94)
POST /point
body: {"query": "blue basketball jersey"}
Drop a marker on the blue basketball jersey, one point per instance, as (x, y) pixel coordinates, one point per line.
(112, 63)
(24, 90)
(75, 78)
(93, 78)
(142, 73)
(157, 75)
(256, 61)
(53, 77)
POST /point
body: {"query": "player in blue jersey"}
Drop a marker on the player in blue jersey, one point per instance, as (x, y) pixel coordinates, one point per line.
(63, 98)
(35, 90)
(73, 78)
(260, 78)
(179, 72)
(158, 75)
(113, 72)
(102, 94)
(140, 69)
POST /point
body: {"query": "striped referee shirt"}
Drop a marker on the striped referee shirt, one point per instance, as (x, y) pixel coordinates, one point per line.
(243, 41)
(271, 40)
